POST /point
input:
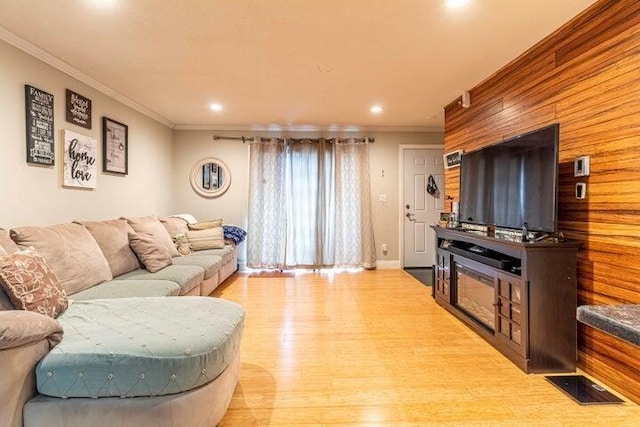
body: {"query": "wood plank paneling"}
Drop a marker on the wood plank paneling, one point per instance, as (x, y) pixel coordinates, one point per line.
(584, 76)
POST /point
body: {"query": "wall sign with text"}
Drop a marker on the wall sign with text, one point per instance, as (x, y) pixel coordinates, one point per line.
(452, 159)
(39, 126)
(78, 109)
(115, 146)
(80, 160)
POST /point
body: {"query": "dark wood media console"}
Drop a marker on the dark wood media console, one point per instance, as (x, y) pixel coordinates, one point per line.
(521, 297)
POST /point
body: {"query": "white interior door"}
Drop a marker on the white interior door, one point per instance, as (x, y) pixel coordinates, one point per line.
(421, 209)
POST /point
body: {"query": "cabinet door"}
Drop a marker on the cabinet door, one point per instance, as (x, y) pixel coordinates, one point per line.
(443, 276)
(511, 316)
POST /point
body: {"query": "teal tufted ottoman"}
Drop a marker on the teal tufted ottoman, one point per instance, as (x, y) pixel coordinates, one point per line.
(132, 347)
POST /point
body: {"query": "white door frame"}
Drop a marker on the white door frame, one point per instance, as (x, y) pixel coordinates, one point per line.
(402, 148)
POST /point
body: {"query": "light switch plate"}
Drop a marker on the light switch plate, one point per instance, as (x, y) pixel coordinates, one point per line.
(581, 190)
(581, 166)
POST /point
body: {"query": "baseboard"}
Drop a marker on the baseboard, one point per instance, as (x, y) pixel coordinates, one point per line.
(393, 264)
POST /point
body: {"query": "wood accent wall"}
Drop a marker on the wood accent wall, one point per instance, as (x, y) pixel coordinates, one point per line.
(585, 76)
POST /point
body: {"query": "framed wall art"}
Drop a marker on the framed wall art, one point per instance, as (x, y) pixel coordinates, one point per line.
(39, 126)
(78, 109)
(115, 146)
(80, 160)
(453, 159)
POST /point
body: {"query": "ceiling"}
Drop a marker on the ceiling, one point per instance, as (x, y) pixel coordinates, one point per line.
(283, 64)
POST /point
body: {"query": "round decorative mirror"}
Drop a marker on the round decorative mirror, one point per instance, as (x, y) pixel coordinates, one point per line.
(210, 177)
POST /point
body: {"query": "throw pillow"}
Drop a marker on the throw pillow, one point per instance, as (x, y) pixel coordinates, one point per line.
(70, 251)
(211, 238)
(112, 237)
(23, 327)
(182, 244)
(30, 284)
(152, 225)
(6, 244)
(214, 223)
(152, 254)
(174, 225)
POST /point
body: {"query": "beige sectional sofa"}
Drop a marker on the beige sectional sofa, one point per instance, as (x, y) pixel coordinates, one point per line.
(101, 274)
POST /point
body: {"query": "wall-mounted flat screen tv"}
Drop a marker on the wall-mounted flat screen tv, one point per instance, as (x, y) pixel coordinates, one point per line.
(513, 182)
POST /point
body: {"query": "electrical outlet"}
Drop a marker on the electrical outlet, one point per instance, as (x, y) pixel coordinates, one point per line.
(385, 249)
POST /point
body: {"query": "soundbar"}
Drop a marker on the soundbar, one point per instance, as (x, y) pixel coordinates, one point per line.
(491, 258)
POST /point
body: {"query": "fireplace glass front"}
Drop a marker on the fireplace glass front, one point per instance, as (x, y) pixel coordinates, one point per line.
(475, 295)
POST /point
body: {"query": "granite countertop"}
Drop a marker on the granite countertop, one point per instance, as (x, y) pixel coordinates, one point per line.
(622, 321)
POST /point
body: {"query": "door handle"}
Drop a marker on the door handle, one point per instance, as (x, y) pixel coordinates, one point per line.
(410, 216)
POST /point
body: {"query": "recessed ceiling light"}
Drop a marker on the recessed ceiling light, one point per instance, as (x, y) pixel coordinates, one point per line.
(215, 107)
(454, 4)
(376, 109)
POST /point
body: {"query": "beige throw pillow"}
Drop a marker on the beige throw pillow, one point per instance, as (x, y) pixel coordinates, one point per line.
(211, 238)
(214, 223)
(6, 244)
(19, 327)
(152, 225)
(113, 238)
(70, 251)
(174, 225)
(151, 253)
(30, 284)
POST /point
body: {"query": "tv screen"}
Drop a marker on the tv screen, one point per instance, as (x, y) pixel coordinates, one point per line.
(513, 182)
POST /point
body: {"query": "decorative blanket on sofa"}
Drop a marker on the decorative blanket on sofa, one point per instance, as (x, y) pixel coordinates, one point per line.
(141, 346)
(234, 233)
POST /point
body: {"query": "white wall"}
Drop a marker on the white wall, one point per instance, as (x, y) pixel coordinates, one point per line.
(191, 146)
(33, 195)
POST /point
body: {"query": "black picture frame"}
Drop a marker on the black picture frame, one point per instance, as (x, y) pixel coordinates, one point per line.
(115, 146)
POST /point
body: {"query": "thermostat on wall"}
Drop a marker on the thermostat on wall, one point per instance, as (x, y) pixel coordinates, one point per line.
(581, 166)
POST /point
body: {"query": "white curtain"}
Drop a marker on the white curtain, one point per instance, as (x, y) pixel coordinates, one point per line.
(324, 205)
(267, 213)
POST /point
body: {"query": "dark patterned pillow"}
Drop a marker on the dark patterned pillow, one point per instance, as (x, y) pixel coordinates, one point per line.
(234, 234)
(30, 284)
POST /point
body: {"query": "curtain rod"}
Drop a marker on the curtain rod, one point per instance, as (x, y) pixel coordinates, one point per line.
(252, 138)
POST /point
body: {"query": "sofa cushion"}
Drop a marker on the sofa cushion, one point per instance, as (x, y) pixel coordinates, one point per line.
(152, 225)
(213, 223)
(210, 264)
(174, 225)
(113, 238)
(186, 276)
(225, 253)
(7, 245)
(129, 289)
(152, 254)
(30, 284)
(210, 238)
(5, 303)
(141, 347)
(70, 251)
(18, 327)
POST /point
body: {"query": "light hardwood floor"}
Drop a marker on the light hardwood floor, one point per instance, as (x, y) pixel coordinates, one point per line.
(374, 349)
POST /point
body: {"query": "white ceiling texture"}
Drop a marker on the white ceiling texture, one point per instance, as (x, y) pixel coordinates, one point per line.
(283, 64)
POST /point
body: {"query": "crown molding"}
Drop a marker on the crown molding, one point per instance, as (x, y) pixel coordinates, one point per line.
(307, 128)
(71, 71)
(62, 66)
